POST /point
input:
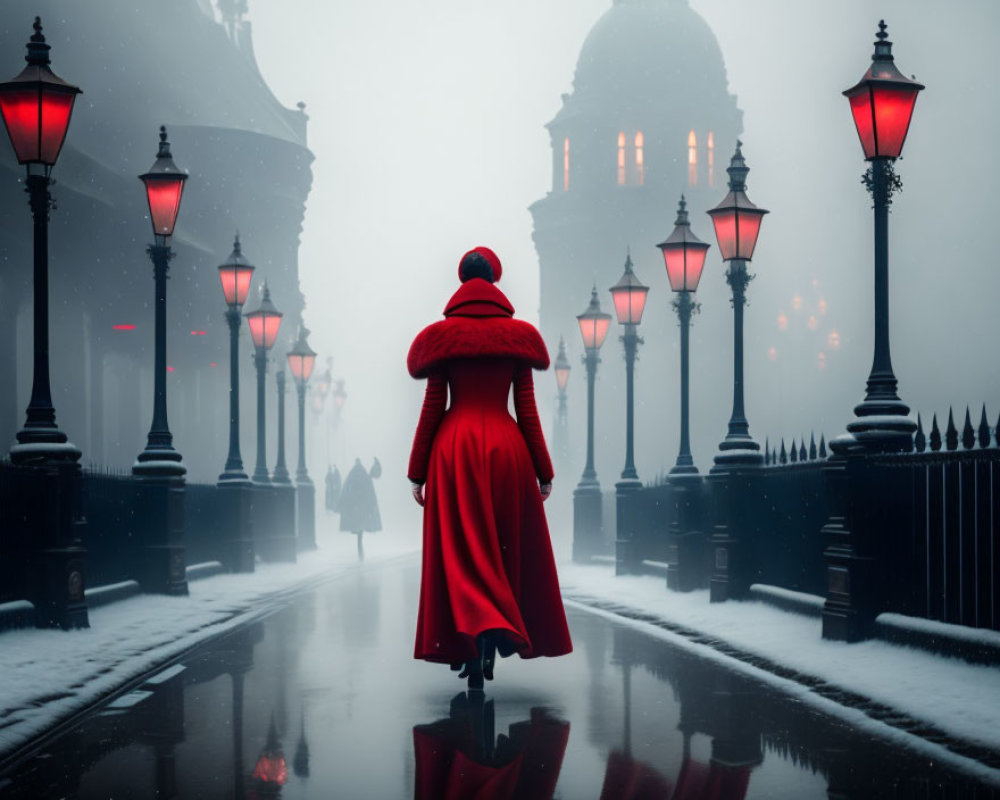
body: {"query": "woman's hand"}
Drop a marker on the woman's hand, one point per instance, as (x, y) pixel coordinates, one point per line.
(545, 489)
(418, 492)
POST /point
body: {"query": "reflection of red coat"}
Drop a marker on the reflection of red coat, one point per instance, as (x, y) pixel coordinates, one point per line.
(525, 766)
(487, 558)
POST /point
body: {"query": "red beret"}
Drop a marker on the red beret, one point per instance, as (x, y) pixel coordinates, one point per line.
(491, 259)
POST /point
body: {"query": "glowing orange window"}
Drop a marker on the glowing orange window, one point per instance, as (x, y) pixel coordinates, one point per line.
(711, 159)
(640, 170)
(692, 159)
(566, 165)
(621, 158)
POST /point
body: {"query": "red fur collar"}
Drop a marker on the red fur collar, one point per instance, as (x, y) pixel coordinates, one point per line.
(477, 325)
(478, 298)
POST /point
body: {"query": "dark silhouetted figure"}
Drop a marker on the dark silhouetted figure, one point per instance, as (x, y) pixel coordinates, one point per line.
(332, 495)
(358, 504)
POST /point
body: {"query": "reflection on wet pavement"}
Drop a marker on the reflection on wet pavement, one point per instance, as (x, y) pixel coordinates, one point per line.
(323, 699)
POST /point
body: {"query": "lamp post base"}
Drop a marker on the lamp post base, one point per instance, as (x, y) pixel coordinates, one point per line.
(35, 448)
(233, 477)
(882, 426)
(159, 463)
(737, 452)
(684, 470)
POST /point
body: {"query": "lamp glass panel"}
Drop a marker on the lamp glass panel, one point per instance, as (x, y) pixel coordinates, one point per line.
(36, 122)
(295, 365)
(271, 324)
(748, 227)
(164, 196)
(235, 283)
(893, 110)
(725, 233)
(562, 377)
(861, 109)
(256, 324)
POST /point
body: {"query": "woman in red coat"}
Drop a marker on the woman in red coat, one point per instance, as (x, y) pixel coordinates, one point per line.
(489, 581)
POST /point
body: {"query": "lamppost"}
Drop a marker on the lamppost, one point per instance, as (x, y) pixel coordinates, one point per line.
(235, 275)
(264, 322)
(684, 256)
(561, 367)
(882, 104)
(301, 359)
(737, 223)
(629, 297)
(164, 187)
(36, 106)
(594, 325)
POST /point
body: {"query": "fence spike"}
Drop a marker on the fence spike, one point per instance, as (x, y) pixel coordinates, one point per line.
(968, 434)
(812, 446)
(951, 434)
(996, 431)
(783, 458)
(919, 440)
(984, 429)
(935, 435)
(767, 452)
(793, 453)
(822, 445)
(802, 449)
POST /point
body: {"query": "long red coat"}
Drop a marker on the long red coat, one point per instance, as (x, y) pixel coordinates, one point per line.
(487, 558)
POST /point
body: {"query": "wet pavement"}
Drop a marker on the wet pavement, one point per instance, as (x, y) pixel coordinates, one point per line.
(321, 699)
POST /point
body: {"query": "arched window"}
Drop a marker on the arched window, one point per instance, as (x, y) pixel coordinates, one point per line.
(640, 170)
(692, 159)
(621, 158)
(711, 159)
(566, 165)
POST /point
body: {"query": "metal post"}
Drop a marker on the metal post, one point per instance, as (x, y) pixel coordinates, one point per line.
(159, 458)
(301, 473)
(891, 430)
(684, 466)
(589, 477)
(280, 470)
(631, 340)
(260, 474)
(234, 462)
(738, 447)
(40, 426)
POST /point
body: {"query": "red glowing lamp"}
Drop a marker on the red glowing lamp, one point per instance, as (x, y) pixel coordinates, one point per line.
(629, 296)
(236, 274)
(683, 253)
(164, 187)
(271, 769)
(593, 324)
(301, 358)
(562, 367)
(264, 322)
(882, 102)
(36, 106)
(736, 219)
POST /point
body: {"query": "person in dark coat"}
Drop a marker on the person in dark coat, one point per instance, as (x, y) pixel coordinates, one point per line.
(333, 485)
(488, 580)
(358, 504)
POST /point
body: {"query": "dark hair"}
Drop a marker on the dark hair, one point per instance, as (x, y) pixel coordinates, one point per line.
(475, 265)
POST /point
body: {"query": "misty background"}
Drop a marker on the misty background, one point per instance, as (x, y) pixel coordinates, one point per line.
(427, 124)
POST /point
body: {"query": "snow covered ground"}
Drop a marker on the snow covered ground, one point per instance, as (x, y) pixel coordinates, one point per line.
(959, 698)
(49, 675)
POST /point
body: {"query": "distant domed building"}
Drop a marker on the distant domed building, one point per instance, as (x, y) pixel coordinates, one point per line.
(189, 65)
(650, 116)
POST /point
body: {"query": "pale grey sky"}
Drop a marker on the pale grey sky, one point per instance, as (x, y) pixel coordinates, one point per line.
(427, 124)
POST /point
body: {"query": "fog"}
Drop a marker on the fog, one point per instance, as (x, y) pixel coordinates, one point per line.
(427, 122)
(427, 125)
